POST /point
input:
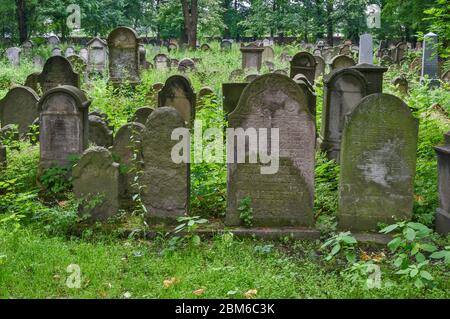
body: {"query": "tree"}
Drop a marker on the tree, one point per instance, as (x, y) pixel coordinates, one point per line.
(190, 14)
(22, 20)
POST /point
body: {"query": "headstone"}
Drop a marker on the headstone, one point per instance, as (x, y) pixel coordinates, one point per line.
(38, 62)
(285, 57)
(3, 157)
(204, 91)
(172, 47)
(442, 221)
(374, 76)
(123, 44)
(366, 49)
(69, 51)
(378, 164)
(430, 60)
(64, 127)
(185, 65)
(9, 132)
(161, 62)
(95, 181)
(386, 60)
(127, 150)
(320, 66)
(416, 66)
(235, 74)
(97, 55)
(400, 52)
(157, 86)
(53, 40)
(274, 101)
(270, 66)
(84, 54)
(401, 83)
(166, 195)
(143, 57)
(343, 90)
(251, 56)
(342, 62)
(27, 46)
(78, 64)
(13, 56)
(58, 71)
(268, 54)
(205, 47)
(56, 51)
(281, 71)
(304, 63)
(178, 93)
(251, 77)
(173, 63)
(32, 81)
(141, 115)
(345, 50)
(226, 45)
(19, 107)
(99, 132)
(231, 94)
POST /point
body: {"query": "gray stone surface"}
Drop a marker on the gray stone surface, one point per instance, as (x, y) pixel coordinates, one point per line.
(166, 195)
(320, 66)
(374, 76)
(69, 51)
(127, 151)
(442, 221)
(185, 65)
(430, 59)
(268, 54)
(304, 63)
(96, 184)
(342, 62)
(64, 127)
(366, 49)
(19, 107)
(38, 62)
(161, 62)
(226, 45)
(56, 51)
(401, 83)
(378, 164)
(32, 81)
(99, 132)
(53, 40)
(123, 45)
(178, 93)
(285, 198)
(13, 55)
(97, 55)
(141, 115)
(58, 71)
(251, 56)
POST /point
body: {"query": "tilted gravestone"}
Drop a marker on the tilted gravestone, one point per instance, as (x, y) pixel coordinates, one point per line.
(285, 198)
(178, 93)
(430, 59)
(141, 115)
(97, 55)
(320, 67)
(166, 195)
(205, 47)
(19, 107)
(345, 50)
(342, 62)
(366, 49)
(13, 55)
(27, 46)
(123, 44)
(64, 127)
(443, 213)
(251, 56)
(95, 180)
(400, 52)
(343, 90)
(304, 63)
(204, 91)
(378, 164)
(58, 71)
(127, 150)
(161, 62)
(99, 132)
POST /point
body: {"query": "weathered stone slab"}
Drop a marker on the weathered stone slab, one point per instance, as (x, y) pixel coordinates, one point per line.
(99, 132)
(268, 54)
(304, 63)
(32, 81)
(366, 49)
(166, 195)
(231, 94)
(320, 66)
(19, 107)
(53, 40)
(13, 55)
(96, 184)
(285, 198)
(378, 164)
(141, 115)
(58, 71)
(251, 56)
(178, 93)
(226, 45)
(374, 76)
(442, 221)
(38, 62)
(342, 62)
(430, 60)
(401, 83)
(97, 55)
(161, 62)
(185, 65)
(56, 51)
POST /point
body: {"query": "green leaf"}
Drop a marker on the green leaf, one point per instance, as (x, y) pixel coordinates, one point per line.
(196, 240)
(349, 240)
(426, 275)
(429, 248)
(394, 244)
(420, 258)
(336, 249)
(389, 229)
(418, 283)
(410, 234)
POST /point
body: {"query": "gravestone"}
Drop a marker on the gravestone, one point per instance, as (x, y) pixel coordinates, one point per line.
(103, 117)
(443, 213)
(69, 51)
(185, 65)
(251, 77)
(9, 132)
(97, 55)
(32, 81)
(416, 65)
(173, 63)
(56, 51)
(3, 157)
(123, 45)
(366, 49)
(270, 66)
(400, 52)
(13, 56)
(172, 47)
(446, 77)
(378, 164)
(157, 86)
(401, 83)
(204, 91)
(64, 128)
(178, 93)
(320, 66)
(38, 62)
(251, 56)
(226, 45)
(53, 40)
(386, 60)
(78, 64)
(205, 47)
(99, 132)
(268, 54)
(27, 46)
(304, 63)
(281, 71)
(166, 195)
(19, 107)
(84, 54)
(345, 50)
(430, 59)
(317, 52)
(235, 74)
(285, 57)
(161, 62)
(141, 115)
(343, 90)
(58, 71)
(231, 94)
(95, 181)
(308, 89)
(127, 149)
(341, 62)
(286, 197)
(374, 76)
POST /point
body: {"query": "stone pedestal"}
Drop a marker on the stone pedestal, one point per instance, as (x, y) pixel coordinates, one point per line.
(374, 76)
(443, 214)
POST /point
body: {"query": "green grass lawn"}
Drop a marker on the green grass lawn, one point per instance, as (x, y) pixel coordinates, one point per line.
(34, 266)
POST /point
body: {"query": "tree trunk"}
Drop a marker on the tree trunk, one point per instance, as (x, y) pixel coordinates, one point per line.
(330, 26)
(22, 20)
(190, 14)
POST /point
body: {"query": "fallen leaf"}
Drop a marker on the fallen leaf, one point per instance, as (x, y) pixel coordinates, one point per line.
(251, 293)
(62, 204)
(378, 257)
(364, 256)
(169, 282)
(199, 292)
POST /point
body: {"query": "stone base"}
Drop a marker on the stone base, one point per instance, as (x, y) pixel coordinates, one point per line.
(372, 238)
(442, 222)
